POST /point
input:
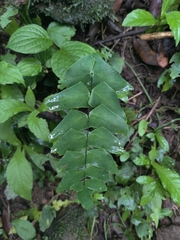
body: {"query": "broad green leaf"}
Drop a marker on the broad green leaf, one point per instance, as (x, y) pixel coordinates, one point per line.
(71, 140)
(125, 173)
(102, 138)
(29, 39)
(94, 71)
(156, 205)
(37, 158)
(69, 53)
(144, 179)
(44, 56)
(175, 58)
(7, 133)
(47, 216)
(139, 18)
(29, 67)
(96, 173)
(69, 179)
(126, 199)
(95, 185)
(165, 6)
(73, 75)
(102, 116)
(170, 181)
(10, 107)
(4, 18)
(76, 96)
(10, 74)
(175, 72)
(38, 126)
(19, 175)
(9, 92)
(102, 159)
(60, 33)
(85, 198)
(141, 160)
(116, 62)
(173, 19)
(30, 98)
(144, 230)
(162, 142)
(74, 119)
(142, 127)
(98, 158)
(71, 160)
(99, 96)
(24, 229)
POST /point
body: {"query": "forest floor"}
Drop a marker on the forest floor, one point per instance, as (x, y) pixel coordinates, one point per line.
(168, 103)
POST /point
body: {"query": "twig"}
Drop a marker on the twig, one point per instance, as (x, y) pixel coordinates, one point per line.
(134, 96)
(146, 117)
(158, 35)
(121, 35)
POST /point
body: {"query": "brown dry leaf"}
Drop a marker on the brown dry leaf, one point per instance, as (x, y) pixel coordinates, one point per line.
(147, 55)
(6, 222)
(155, 7)
(117, 5)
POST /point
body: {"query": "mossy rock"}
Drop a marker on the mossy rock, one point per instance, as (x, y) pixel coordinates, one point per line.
(70, 226)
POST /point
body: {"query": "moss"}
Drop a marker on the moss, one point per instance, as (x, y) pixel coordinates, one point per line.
(76, 12)
(69, 227)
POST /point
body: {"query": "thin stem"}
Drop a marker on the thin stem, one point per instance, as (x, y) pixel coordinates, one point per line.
(139, 80)
(168, 123)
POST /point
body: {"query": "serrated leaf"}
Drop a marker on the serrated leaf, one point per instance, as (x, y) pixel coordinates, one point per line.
(74, 119)
(4, 18)
(76, 96)
(85, 198)
(19, 175)
(97, 98)
(93, 70)
(47, 216)
(102, 138)
(165, 6)
(95, 185)
(38, 126)
(30, 98)
(69, 53)
(170, 181)
(173, 19)
(24, 229)
(10, 74)
(7, 133)
(97, 173)
(29, 67)
(60, 33)
(72, 140)
(71, 177)
(102, 116)
(29, 39)
(10, 107)
(139, 18)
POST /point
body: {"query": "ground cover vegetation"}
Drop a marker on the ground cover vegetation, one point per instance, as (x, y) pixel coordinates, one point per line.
(65, 121)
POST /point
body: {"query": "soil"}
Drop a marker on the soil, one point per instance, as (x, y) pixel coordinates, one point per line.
(168, 104)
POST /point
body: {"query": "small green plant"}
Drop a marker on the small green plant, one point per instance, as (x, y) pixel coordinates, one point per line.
(169, 16)
(169, 77)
